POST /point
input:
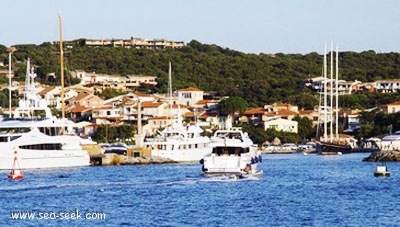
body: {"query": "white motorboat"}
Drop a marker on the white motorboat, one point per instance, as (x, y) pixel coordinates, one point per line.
(233, 152)
(39, 141)
(390, 142)
(180, 143)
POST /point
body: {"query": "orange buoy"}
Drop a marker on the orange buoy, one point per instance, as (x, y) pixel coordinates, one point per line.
(16, 171)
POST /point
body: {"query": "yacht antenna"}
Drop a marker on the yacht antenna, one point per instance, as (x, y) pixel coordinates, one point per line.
(62, 67)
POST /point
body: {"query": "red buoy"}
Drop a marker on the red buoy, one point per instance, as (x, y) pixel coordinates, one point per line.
(16, 171)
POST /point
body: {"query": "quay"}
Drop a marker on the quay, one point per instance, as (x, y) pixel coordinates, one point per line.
(134, 156)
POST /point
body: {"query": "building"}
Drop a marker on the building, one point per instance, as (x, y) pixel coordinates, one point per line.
(138, 43)
(103, 81)
(189, 96)
(391, 108)
(282, 125)
(387, 86)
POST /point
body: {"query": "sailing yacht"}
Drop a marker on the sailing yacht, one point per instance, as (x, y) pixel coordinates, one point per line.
(335, 143)
(179, 142)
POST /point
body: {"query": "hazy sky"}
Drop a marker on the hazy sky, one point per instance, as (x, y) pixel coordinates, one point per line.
(252, 26)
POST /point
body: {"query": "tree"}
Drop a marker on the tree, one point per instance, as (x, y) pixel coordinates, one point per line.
(305, 128)
(232, 105)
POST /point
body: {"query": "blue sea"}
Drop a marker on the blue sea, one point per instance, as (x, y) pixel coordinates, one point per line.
(295, 190)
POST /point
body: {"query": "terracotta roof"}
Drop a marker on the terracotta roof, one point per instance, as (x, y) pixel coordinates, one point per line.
(79, 109)
(45, 90)
(151, 104)
(188, 114)
(281, 113)
(304, 112)
(255, 111)
(126, 99)
(160, 118)
(202, 102)
(393, 104)
(189, 89)
(104, 108)
(80, 96)
(205, 115)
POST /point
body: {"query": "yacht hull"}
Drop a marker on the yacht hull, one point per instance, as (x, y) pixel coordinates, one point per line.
(39, 159)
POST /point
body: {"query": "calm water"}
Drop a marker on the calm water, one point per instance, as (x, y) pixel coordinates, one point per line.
(295, 190)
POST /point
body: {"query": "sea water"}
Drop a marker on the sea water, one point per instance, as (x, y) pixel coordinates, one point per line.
(294, 190)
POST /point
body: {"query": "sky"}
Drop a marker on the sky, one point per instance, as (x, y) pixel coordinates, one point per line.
(252, 26)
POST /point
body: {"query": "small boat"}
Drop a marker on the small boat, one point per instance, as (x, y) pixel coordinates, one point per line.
(381, 171)
(16, 171)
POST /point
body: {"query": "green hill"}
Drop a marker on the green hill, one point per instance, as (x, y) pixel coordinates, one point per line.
(259, 79)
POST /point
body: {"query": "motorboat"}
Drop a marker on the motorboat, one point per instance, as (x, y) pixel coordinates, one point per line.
(390, 142)
(233, 153)
(116, 148)
(180, 143)
(40, 139)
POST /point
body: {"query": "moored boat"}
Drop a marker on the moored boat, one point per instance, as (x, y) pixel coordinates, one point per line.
(41, 141)
(180, 143)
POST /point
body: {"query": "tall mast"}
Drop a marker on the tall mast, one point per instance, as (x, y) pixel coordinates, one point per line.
(62, 67)
(170, 90)
(337, 93)
(9, 82)
(331, 106)
(325, 101)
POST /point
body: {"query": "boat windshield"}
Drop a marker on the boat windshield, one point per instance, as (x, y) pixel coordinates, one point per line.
(43, 146)
(51, 131)
(230, 150)
(4, 138)
(14, 130)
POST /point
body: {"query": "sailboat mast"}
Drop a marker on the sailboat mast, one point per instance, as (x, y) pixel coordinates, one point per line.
(170, 89)
(331, 106)
(62, 67)
(337, 93)
(9, 83)
(325, 100)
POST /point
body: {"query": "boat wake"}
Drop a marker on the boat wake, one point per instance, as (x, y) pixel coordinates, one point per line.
(228, 178)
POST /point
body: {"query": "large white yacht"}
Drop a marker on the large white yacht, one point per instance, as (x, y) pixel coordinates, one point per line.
(233, 152)
(39, 142)
(180, 143)
(390, 142)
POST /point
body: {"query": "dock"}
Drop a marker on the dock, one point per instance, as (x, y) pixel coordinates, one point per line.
(134, 156)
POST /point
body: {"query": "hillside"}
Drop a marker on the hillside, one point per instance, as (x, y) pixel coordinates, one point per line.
(259, 79)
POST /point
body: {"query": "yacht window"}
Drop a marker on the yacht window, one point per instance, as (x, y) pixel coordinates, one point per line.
(45, 146)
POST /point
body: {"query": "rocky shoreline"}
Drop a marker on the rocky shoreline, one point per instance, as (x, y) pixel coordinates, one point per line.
(115, 159)
(383, 156)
